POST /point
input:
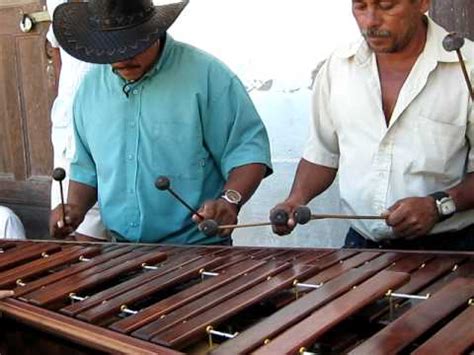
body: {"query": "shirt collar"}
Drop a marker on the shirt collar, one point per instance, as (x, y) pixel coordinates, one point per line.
(361, 52)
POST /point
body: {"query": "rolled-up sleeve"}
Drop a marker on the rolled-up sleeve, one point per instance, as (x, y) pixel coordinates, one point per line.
(233, 130)
(322, 147)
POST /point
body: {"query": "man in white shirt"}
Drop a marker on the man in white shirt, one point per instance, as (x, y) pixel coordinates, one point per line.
(70, 72)
(392, 116)
(10, 225)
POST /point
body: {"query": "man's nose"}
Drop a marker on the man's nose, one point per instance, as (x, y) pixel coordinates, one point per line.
(372, 18)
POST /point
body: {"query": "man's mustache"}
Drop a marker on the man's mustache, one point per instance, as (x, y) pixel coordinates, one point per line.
(374, 33)
(122, 67)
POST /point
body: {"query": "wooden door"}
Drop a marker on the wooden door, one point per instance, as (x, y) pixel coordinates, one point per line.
(26, 94)
(454, 15)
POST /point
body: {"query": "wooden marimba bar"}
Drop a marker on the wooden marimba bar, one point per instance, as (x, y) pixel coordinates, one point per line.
(133, 298)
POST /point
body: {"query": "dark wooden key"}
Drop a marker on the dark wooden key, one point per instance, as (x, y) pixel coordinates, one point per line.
(101, 339)
(168, 266)
(180, 275)
(167, 305)
(211, 299)
(40, 266)
(404, 330)
(29, 252)
(74, 279)
(342, 267)
(311, 328)
(182, 334)
(454, 338)
(419, 279)
(281, 320)
(411, 262)
(74, 269)
(44, 297)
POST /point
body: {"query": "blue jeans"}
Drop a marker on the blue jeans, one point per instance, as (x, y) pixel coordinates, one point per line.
(462, 240)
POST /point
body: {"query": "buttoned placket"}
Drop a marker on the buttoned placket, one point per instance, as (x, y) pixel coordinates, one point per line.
(131, 151)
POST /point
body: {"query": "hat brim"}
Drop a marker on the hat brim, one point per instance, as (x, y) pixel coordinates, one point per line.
(75, 35)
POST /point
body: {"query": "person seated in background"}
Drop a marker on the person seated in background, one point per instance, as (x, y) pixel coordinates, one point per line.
(69, 74)
(10, 225)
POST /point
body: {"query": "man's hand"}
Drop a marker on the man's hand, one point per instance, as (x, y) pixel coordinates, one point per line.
(74, 217)
(413, 217)
(5, 294)
(221, 211)
(289, 207)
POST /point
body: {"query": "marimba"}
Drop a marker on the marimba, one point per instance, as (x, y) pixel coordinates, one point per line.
(133, 298)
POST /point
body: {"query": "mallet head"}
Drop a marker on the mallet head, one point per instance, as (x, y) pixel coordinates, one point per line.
(59, 174)
(209, 227)
(162, 183)
(302, 215)
(453, 42)
(279, 217)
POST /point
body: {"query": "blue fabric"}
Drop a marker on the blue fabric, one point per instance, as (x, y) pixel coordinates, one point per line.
(189, 118)
(462, 240)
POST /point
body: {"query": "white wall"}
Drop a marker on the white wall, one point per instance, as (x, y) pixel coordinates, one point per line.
(278, 42)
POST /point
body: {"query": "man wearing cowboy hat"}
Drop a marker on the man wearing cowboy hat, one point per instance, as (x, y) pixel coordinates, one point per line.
(161, 108)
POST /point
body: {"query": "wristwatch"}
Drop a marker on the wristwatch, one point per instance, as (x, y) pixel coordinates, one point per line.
(232, 196)
(444, 204)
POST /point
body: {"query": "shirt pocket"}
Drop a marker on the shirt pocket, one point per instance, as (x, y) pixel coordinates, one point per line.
(179, 150)
(439, 148)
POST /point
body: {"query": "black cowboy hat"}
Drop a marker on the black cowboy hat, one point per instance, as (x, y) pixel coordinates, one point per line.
(109, 31)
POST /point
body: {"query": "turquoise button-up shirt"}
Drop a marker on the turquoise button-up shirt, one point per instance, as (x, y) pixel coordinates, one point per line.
(189, 118)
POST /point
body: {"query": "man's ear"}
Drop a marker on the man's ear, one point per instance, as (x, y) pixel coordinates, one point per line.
(424, 6)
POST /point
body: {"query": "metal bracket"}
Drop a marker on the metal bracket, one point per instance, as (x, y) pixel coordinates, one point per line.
(28, 21)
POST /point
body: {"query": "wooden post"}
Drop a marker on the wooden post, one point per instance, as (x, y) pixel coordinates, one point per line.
(454, 15)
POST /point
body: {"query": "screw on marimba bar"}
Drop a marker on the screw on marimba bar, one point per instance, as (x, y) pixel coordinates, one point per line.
(147, 267)
(210, 331)
(205, 273)
(297, 285)
(19, 282)
(74, 297)
(44, 255)
(125, 309)
(83, 258)
(470, 302)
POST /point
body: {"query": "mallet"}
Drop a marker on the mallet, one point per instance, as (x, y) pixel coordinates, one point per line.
(163, 183)
(303, 215)
(454, 42)
(59, 174)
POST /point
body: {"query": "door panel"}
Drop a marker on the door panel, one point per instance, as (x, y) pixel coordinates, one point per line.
(26, 95)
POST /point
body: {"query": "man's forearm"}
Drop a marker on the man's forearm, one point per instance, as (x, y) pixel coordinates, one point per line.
(245, 179)
(310, 180)
(463, 193)
(81, 195)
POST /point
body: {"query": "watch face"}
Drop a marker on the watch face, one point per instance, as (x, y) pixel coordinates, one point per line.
(233, 196)
(447, 206)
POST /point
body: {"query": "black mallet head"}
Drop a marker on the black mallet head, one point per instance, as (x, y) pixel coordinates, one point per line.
(59, 174)
(162, 183)
(453, 42)
(279, 217)
(209, 227)
(302, 215)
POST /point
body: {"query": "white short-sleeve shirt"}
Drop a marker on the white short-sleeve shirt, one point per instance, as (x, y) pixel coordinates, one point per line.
(425, 148)
(10, 225)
